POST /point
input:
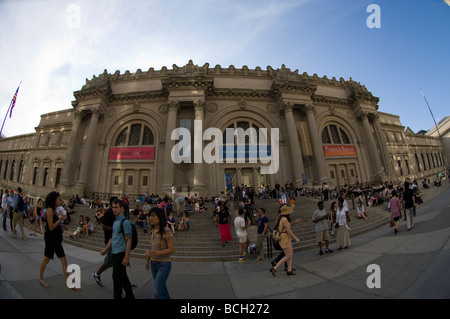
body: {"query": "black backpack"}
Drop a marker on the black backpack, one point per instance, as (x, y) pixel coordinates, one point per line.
(20, 204)
(134, 236)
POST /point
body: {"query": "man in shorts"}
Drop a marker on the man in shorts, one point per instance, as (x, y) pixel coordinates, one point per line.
(241, 233)
(320, 219)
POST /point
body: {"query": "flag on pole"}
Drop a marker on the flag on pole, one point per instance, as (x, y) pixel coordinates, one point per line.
(13, 102)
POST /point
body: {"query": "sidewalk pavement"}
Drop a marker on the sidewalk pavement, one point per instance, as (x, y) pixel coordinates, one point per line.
(412, 264)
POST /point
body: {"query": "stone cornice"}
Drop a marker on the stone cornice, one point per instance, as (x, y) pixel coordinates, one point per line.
(195, 76)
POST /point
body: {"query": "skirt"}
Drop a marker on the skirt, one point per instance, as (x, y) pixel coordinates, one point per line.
(225, 233)
(342, 236)
(285, 241)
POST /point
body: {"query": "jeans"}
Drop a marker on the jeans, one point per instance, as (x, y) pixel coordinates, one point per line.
(142, 224)
(160, 273)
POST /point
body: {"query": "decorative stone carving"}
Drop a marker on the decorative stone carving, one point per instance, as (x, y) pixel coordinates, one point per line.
(111, 112)
(136, 107)
(242, 104)
(163, 108)
(212, 107)
(272, 109)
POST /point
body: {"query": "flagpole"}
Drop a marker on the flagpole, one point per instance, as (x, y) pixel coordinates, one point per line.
(5, 118)
(437, 128)
(13, 100)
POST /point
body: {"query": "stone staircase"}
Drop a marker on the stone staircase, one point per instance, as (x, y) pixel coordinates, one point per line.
(202, 242)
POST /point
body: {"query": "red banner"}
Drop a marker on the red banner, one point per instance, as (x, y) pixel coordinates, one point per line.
(339, 150)
(132, 153)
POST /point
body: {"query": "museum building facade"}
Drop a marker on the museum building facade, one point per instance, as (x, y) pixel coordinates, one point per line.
(117, 136)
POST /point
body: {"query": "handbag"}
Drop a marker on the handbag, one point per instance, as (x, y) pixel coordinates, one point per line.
(276, 235)
(391, 223)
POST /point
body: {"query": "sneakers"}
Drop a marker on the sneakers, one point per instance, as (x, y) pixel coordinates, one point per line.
(97, 279)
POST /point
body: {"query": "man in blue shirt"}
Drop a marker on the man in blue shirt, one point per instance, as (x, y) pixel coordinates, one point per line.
(263, 224)
(120, 245)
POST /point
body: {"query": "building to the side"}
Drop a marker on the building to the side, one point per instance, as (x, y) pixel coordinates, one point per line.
(117, 136)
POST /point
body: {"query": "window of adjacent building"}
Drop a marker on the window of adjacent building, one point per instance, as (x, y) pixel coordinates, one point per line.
(333, 134)
(19, 176)
(135, 135)
(13, 167)
(35, 171)
(116, 180)
(145, 181)
(58, 176)
(44, 181)
(428, 158)
(407, 167)
(423, 161)
(400, 167)
(6, 170)
(417, 162)
(332, 174)
(130, 180)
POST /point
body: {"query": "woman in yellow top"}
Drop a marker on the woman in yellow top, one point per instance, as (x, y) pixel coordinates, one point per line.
(284, 227)
(161, 247)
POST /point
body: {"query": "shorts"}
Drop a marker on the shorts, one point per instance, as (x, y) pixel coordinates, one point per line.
(53, 247)
(108, 261)
(242, 236)
(323, 235)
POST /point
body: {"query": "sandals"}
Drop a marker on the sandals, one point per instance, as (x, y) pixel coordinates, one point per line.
(273, 271)
(43, 283)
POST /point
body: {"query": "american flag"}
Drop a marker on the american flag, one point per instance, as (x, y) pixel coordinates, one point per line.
(13, 102)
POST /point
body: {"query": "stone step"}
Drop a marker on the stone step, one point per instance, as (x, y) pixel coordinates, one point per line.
(198, 249)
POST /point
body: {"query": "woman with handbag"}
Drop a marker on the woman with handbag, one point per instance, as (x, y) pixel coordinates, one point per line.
(284, 227)
(342, 234)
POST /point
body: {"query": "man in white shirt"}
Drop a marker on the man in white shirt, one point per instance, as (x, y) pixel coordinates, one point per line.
(5, 207)
(241, 232)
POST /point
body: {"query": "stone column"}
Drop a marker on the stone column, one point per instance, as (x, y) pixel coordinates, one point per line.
(383, 144)
(255, 176)
(296, 152)
(317, 144)
(371, 145)
(169, 166)
(89, 151)
(198, 182)
(238, 176)
(66, 178)
(137, 175)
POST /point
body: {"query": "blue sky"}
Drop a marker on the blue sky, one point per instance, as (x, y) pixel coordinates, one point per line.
(53, 46)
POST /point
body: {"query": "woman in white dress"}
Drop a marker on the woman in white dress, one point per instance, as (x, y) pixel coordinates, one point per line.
(342, 234)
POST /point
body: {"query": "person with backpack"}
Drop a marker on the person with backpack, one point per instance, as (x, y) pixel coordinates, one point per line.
(120, 246)
(19, 211)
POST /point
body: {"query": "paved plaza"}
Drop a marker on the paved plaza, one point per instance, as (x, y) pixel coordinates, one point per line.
(412, 264)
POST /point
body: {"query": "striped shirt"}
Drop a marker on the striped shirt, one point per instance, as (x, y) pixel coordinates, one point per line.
(157, 243)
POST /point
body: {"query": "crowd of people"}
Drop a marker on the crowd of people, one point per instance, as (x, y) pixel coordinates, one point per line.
(52, 215)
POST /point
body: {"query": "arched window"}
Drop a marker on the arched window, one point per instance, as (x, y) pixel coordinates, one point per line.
(246, 126)
(135, 135)
(333, 134)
